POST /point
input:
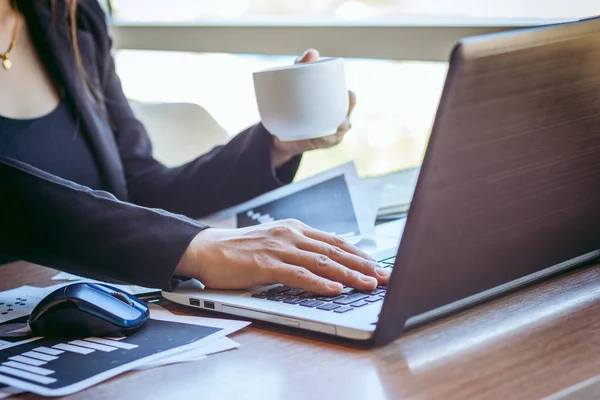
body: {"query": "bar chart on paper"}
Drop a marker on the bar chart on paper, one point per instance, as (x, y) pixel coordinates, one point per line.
(54, 366)
(326, 206)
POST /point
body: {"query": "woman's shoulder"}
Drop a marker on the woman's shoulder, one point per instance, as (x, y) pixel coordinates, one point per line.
(92, 18)
(91, 10)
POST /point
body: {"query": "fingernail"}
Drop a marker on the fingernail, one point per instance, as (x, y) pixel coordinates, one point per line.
(382, 272)
(301, 56)
(334, 286)
(368, 279)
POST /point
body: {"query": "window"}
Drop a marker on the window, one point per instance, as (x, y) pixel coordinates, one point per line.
(396, 99)
(189, 10)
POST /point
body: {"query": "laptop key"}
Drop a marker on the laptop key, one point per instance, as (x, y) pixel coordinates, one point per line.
(343, 310)
(277, 298)
(348, 290)
(295, 292)
(278, 289)
(359, 304)
(261, 295)
(351, 299)
(311, 303)
(328, 307)
(294, 300)
(371, 292)
(329, 298)
(374, 299)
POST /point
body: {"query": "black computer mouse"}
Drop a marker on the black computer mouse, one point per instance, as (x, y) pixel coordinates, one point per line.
(88, 309)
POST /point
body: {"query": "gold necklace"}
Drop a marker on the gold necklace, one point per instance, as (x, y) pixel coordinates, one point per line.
(6, 61)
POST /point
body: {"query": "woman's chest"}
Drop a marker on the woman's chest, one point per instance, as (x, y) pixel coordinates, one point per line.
(26, 89)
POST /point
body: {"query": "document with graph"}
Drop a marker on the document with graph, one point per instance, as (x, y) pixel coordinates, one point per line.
(58, 367)
(333, 201)
(61, 366)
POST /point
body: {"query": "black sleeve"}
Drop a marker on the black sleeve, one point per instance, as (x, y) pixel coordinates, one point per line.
(225, 176)
(57, 223)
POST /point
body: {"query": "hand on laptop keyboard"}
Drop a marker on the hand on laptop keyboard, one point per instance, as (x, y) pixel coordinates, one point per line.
(287, 252)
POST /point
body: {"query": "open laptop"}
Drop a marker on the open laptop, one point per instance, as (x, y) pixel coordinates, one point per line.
(508, 193)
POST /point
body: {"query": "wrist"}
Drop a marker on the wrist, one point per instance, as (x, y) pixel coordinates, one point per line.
(188, 264)
(279, 156)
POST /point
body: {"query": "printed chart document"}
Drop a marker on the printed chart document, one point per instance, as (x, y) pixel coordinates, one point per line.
(333, 201)
(59, 366)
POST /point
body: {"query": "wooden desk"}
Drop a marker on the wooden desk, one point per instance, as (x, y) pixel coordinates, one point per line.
(531, 344)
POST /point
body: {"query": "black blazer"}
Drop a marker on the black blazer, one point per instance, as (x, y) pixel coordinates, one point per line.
(137, 231)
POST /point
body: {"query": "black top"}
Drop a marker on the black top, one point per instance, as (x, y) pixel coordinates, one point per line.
(51, 143)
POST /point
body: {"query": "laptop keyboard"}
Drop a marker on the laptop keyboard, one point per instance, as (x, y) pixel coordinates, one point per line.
(350, 299)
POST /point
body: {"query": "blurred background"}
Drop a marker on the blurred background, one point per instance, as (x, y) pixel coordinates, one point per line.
(397, 99)
(190, 10)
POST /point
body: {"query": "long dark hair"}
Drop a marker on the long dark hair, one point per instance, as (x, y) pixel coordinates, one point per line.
(71, 16)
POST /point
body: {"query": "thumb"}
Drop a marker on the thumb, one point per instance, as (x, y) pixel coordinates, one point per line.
(310, 55)
(352, 102)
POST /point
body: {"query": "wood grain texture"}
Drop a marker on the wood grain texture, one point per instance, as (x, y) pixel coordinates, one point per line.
(530, 344)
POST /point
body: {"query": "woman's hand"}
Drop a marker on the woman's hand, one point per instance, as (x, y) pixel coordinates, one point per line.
(287, 252)
(282, 152)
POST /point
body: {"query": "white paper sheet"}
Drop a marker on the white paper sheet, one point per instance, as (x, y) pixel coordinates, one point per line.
(364, 215)
(200, 353)
(6, 392)
(216, 345)
(19, 302)
(227, 326)
(65, 276)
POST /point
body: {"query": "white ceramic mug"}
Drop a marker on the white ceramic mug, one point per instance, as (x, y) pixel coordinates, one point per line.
(302, 101)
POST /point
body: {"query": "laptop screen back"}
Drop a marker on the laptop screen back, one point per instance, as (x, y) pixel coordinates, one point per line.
(510, 183)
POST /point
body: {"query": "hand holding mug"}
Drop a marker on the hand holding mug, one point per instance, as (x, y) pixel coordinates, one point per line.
(305, 107)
